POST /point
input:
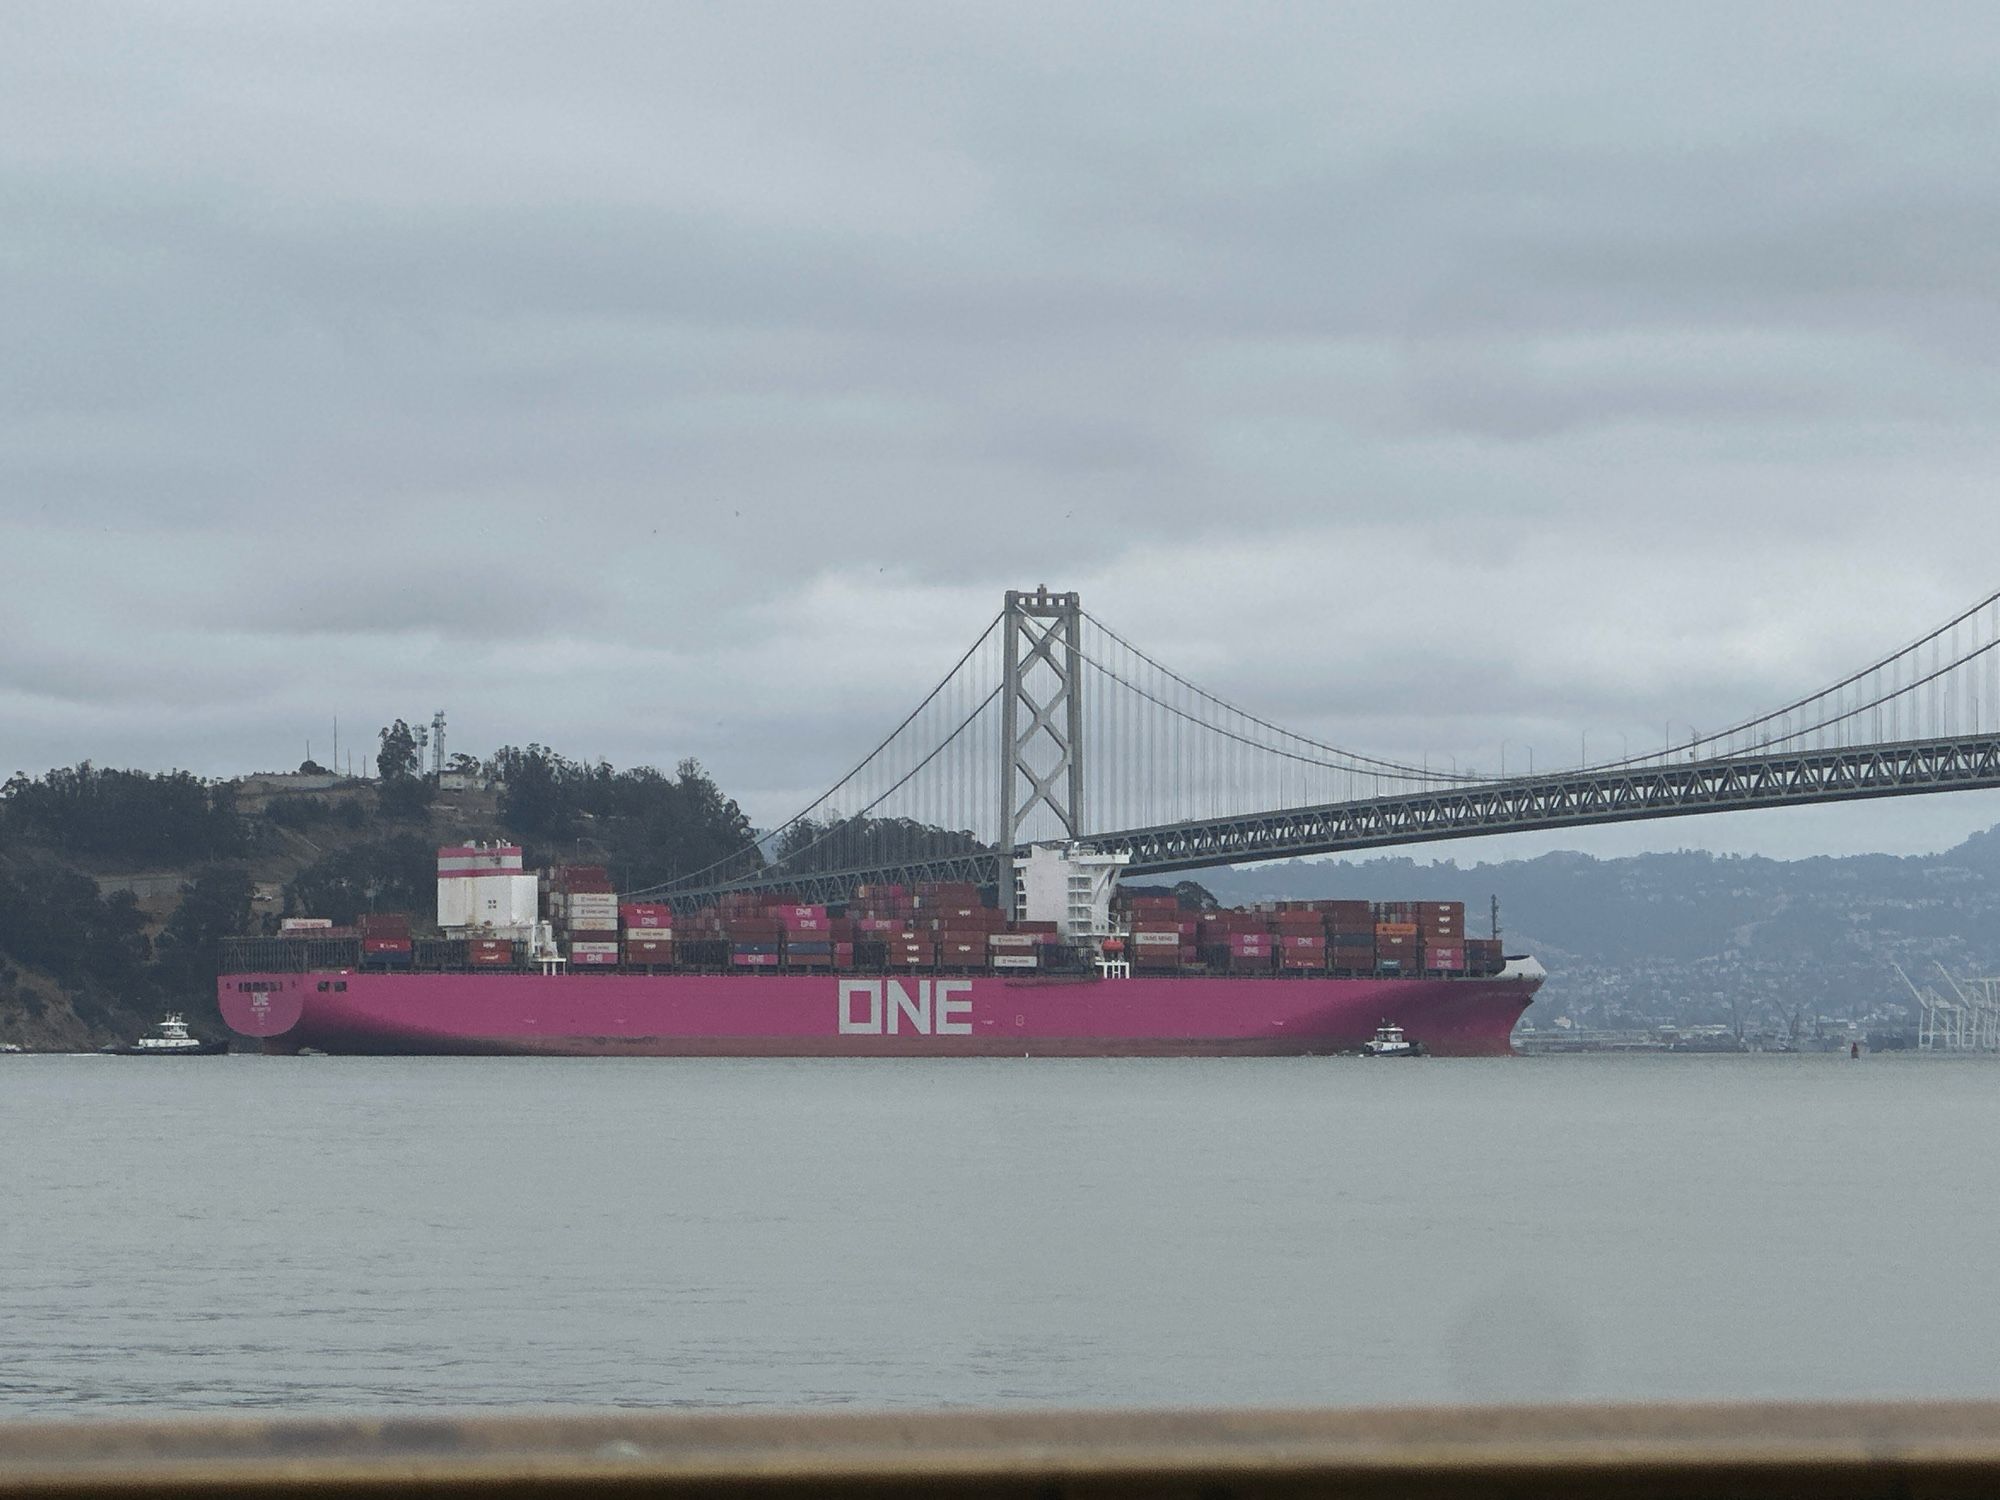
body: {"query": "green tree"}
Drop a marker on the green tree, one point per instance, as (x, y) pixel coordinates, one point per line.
(836, 843)
(397, 758)
(538, 797)
(657, 828)
(170, 818)
(398, 873)
(407, 799)
(215, 904)
(52, 917)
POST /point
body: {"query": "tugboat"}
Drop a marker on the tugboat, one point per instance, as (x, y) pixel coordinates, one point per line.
(170, 1039)
(1389, 1041)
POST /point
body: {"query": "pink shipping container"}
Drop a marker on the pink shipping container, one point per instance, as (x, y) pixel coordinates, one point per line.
(594, 960)
(1444, 958)
(754, 960)
(640, 915)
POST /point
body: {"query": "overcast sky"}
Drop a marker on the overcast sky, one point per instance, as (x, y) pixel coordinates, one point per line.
(654, 380)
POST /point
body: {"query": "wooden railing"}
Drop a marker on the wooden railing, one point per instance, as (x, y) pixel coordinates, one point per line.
(1885, 1450)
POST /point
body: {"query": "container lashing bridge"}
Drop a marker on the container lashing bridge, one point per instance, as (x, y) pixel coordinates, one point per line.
(1052, 727)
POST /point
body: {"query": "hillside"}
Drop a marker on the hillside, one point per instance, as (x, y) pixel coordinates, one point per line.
(117, 887)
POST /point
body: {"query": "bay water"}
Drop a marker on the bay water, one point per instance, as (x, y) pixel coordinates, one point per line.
(351, 1234)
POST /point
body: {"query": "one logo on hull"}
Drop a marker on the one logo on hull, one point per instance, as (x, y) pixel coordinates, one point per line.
(887, 1007)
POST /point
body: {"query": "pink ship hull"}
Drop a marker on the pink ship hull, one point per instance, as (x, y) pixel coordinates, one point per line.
(863, 1016)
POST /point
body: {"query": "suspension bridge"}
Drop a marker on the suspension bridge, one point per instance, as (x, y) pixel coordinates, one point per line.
(1052, 727)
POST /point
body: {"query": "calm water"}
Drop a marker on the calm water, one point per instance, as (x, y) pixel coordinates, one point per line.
(329, 1233)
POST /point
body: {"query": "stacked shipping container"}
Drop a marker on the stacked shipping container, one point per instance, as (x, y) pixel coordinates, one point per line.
(945, 925)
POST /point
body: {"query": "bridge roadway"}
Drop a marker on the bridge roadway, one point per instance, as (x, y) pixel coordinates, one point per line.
(1562, 799)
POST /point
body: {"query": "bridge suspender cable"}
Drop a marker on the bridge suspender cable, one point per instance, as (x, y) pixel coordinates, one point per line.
(1365, 764)
(1166, 748)
(859, 767)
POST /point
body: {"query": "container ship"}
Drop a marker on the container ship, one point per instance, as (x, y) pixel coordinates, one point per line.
(558, 964)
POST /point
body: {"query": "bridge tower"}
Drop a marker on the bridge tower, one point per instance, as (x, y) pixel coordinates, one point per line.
(1041, 718)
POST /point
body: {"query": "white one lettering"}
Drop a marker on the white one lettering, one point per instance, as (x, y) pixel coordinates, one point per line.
(869, 1025)
(943, 1008)
(918, 1010)
(948, 1009)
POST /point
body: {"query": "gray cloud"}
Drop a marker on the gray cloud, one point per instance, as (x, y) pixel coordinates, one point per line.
(658, 380)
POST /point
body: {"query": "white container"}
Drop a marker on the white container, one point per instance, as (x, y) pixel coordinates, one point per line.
(487, 900)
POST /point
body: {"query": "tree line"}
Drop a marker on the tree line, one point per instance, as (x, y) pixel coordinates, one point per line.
(648, 825)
